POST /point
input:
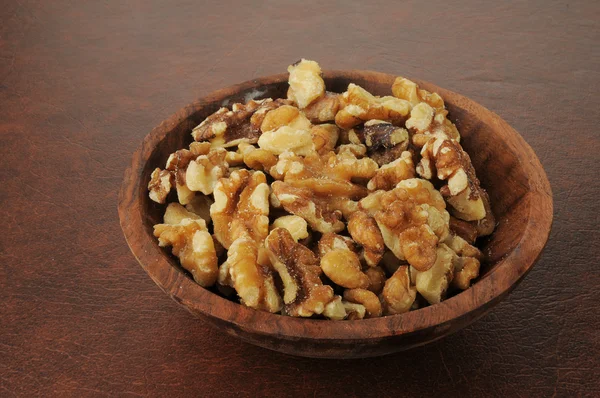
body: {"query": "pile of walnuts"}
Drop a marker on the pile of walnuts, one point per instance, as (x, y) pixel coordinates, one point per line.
(326, 204)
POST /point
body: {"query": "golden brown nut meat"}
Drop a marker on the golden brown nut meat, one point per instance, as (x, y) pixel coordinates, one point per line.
(203, 173)
(410, 91)
(335, 309)
(433, 283)
(331, 241)
(329, 175)
(466, 261)
(303, 203)
(257, 158)
(464, 229)
(463, 191)
(385, 142)
(161, 182)
(304, 293)
(286, 129)
(360, 106)
(324, 137)
(412, 219)
(367, 298)
(297, 226)
(342, 266)
(306, 83)
(252, 281)
(398, 294)
(389, 175)
(354, 311)
(241, 207)
(192, 243)
(365, 232)
(227, 128)
(323, 109)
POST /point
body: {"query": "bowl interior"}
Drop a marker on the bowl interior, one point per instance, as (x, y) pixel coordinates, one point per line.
(497, 165)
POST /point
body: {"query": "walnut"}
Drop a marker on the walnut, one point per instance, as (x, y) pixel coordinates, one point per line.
(385, 142)
(328, 175)
(360, 106)
(367, 298)
(177, 164)
(487, 224)
(176, 213)
(389, 175)
(302, 202)
(376, 279)
(227, 128)
(463, 191)
(462, 248)
(306, 83)
(412, 219)
(203, 173)
(323, 109)
(296, 226)
(358, 150)
(465, 270)
(304, 293)
(331, 241)
(354, 311)
(335, 309)
(433, 283)
(365, 232)
(161, 182)
(464, 229)
(466, 262)
(252, 280)
(342, 266)
(241, 206)
(398, 294)
(341, 164)
(288, 130)
(410, 91)
(257, 158)
(191, 242)
(286, 115)
(324, 137)
(421, 117)
(427, 123)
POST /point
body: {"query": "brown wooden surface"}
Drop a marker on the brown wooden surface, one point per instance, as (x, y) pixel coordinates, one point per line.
(517, 185)
(82, 84)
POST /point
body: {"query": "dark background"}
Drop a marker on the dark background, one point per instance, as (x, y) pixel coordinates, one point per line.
(81, 84)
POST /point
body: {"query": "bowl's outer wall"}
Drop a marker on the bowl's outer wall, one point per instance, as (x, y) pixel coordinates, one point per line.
(506, 165)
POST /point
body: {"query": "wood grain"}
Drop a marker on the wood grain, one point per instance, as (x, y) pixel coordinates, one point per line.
(81, 85)
(509, 170)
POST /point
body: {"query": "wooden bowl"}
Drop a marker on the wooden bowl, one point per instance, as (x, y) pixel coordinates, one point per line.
(507, 167)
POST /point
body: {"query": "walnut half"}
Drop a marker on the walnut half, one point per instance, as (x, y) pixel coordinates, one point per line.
(191, 242)
(298, 267)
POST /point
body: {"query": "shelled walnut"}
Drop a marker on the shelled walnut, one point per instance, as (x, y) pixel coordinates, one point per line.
(325, 204)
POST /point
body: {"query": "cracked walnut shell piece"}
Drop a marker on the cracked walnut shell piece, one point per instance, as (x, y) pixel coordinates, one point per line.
(298, 267)
(191, 243)
(241, 207)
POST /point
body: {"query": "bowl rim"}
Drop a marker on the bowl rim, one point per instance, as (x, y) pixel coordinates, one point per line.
(487, 291)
